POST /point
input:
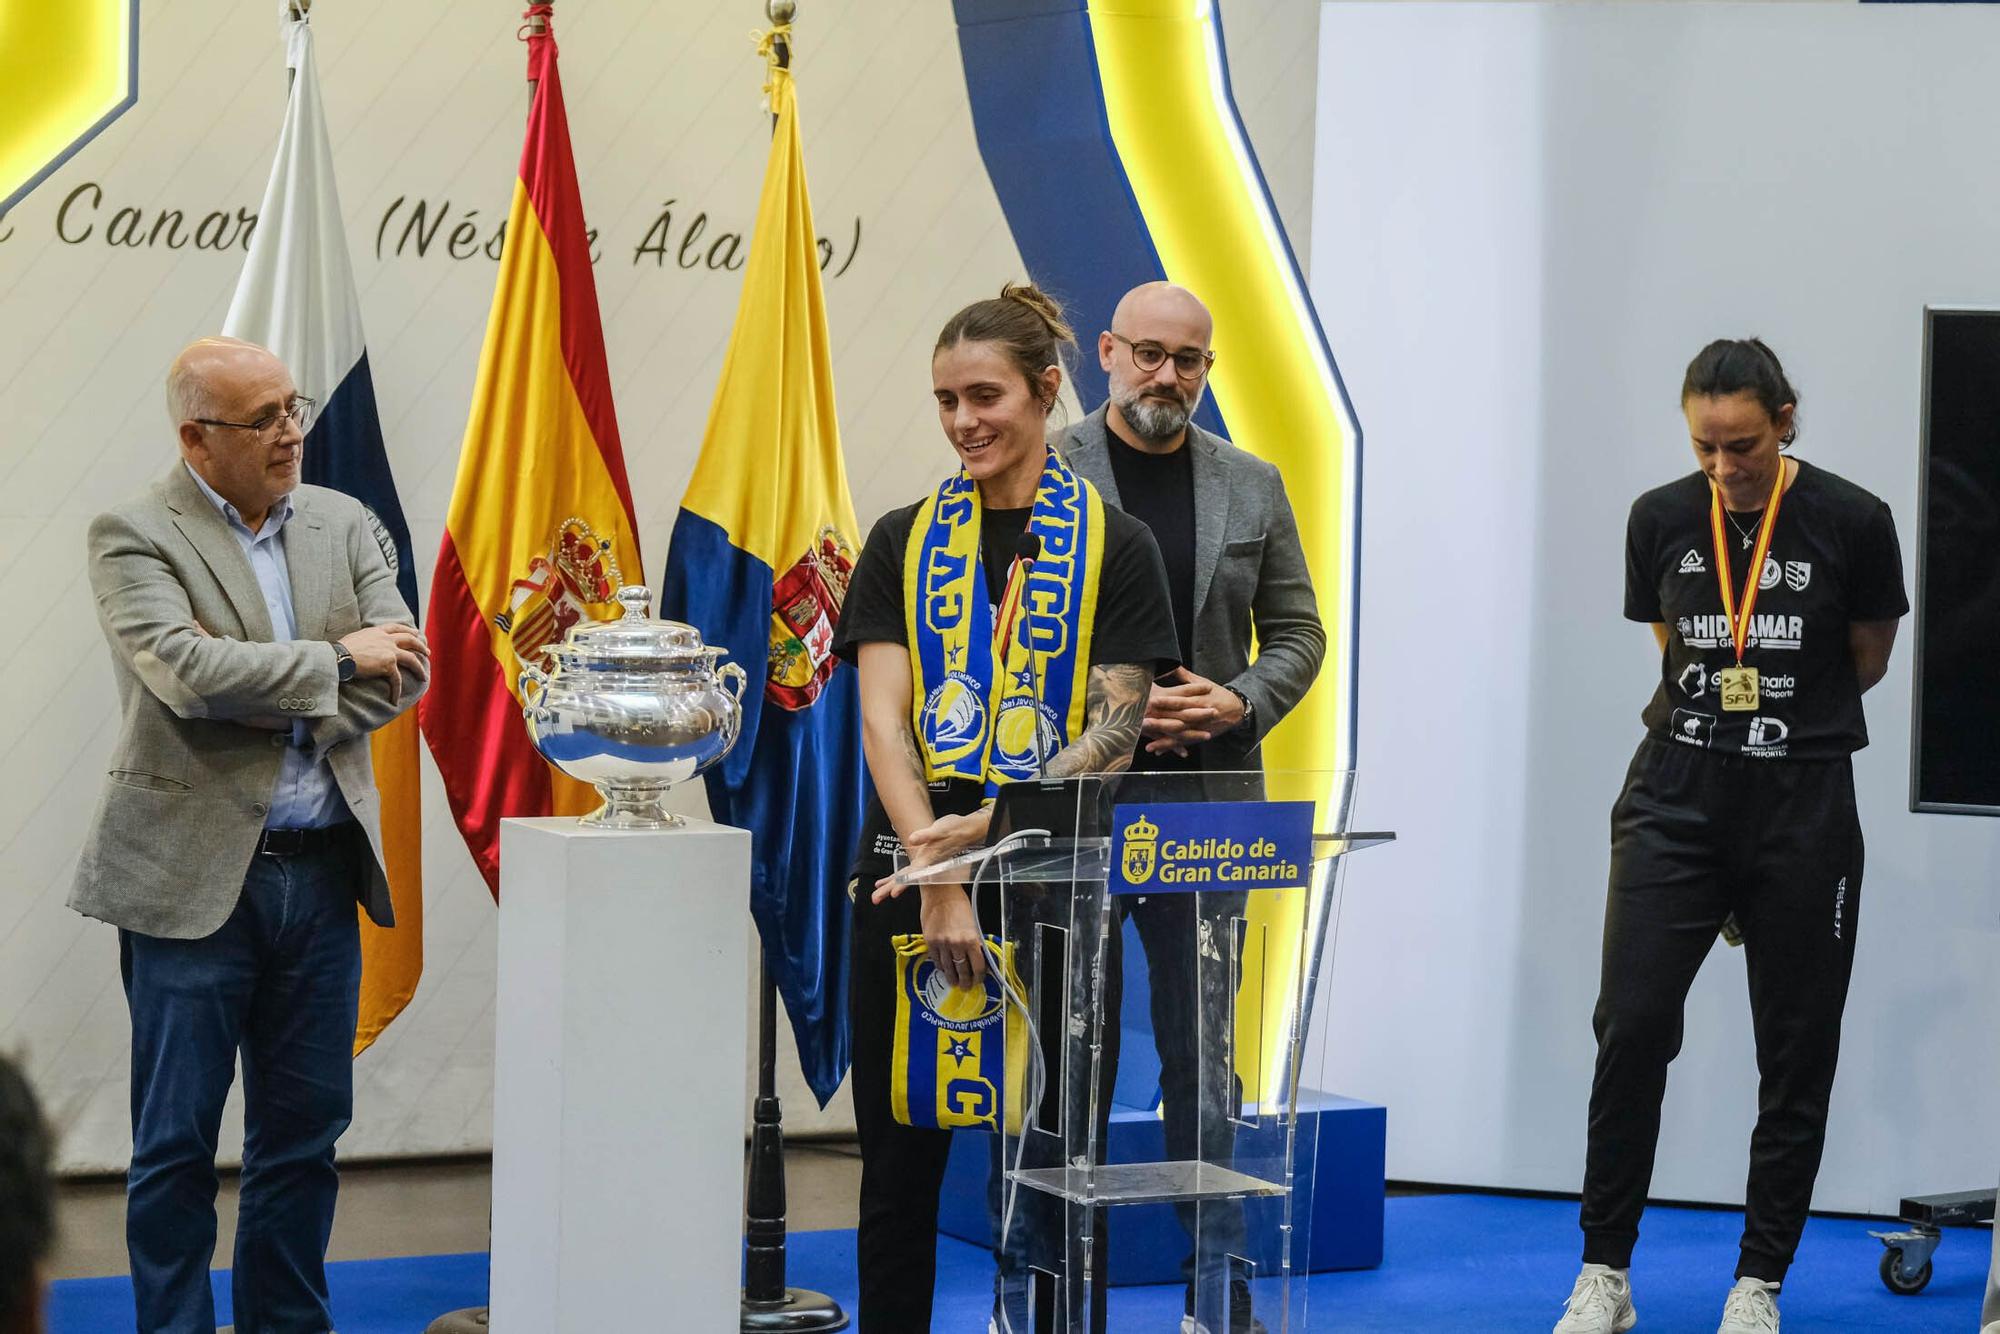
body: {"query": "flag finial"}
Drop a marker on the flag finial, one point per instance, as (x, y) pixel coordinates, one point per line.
(781, 11)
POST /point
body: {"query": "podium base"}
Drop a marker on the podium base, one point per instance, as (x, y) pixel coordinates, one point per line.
(799, 1312)
(472, 1320)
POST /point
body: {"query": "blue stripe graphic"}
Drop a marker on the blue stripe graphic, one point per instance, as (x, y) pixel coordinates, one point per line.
(1038, 112)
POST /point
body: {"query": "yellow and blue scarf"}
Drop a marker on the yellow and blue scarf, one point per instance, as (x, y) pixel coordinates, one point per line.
(960, 1053)
(976, 672)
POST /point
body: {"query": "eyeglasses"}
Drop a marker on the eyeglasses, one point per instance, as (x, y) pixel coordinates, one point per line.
(1150, 356)
(301, 412)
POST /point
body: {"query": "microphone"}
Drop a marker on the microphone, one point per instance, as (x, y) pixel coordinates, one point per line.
(1027, 550)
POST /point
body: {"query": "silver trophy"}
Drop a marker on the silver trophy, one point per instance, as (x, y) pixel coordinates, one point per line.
(632, 707)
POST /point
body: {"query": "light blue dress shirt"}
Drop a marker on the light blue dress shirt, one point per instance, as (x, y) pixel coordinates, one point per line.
(307, 795)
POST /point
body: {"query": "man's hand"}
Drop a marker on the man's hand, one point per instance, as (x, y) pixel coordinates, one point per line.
(388, 651)
(1188, 713)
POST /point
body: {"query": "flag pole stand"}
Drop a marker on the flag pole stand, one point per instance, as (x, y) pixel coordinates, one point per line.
(768, 1305)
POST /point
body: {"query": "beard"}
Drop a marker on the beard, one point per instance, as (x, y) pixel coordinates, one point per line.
(1153, 418)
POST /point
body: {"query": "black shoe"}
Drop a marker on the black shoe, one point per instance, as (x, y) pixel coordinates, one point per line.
(1241, 1321)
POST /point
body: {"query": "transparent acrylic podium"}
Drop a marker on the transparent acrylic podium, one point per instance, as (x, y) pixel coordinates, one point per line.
(1233, 881)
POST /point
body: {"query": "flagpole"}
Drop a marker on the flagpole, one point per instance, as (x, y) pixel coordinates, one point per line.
(476, 1319)
(768, 1304)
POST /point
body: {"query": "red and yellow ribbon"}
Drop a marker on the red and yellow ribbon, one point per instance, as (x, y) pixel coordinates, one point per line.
(1739, 626)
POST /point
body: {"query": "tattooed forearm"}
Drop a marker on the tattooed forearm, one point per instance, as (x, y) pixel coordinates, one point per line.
(910, 751)
(1112, 712)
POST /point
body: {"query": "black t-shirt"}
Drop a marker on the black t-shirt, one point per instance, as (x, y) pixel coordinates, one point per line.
(1833, 560)
(1158, 490)
(1134, 621)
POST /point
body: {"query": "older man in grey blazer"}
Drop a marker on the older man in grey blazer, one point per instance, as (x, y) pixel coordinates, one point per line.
(256, 640)
(1235, 568)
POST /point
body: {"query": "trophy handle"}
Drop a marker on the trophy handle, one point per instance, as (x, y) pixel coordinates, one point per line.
(729, 671)
(532, 675)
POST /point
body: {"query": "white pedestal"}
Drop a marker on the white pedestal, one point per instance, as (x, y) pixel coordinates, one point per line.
(618, 1078)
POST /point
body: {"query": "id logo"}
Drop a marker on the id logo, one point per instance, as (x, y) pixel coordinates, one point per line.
(1693, 729)
(1766, 737)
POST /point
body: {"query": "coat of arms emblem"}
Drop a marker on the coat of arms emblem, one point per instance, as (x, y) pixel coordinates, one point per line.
(805, 608)
(1142, 842)
(579, 573)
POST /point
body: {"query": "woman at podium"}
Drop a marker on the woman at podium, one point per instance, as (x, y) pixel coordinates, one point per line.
(1006, 625)
(1772, 588)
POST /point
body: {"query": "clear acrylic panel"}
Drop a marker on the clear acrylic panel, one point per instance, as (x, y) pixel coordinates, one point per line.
(1221, 890)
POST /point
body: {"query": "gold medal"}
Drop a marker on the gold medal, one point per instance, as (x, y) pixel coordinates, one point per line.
(1738, 688)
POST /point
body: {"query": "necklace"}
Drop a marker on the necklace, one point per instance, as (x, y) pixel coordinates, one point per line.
(1749, 538)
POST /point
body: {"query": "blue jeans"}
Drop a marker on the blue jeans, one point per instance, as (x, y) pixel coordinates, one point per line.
(279, 982)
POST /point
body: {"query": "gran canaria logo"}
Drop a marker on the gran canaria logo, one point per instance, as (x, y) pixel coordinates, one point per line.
(1141, 850)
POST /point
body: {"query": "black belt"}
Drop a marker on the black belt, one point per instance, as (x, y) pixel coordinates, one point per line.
(304, 842)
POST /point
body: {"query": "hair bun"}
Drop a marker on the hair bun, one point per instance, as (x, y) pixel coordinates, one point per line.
(1046, 308)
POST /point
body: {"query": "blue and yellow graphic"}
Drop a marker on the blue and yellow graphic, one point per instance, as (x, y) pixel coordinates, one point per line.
(70, 69)
(1127, 103)
(960, 1053)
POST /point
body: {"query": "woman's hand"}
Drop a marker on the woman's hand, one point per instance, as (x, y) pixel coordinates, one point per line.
(940, 840)
(951, 934)
(949, 835)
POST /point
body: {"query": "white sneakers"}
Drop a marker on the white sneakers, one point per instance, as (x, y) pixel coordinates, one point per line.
(1751, 1308)
(1600, 1303)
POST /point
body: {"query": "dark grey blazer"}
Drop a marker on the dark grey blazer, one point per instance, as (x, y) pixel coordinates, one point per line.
(1249, 574)
(191, 652)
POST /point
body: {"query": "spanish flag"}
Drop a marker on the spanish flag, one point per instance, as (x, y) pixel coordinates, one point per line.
(296, 296)
(540, 532)
(761, 555)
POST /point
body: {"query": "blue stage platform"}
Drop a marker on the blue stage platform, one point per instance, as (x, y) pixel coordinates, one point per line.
(1462, 1264)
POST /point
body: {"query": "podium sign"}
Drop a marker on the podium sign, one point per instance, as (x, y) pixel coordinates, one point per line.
(1163, 847)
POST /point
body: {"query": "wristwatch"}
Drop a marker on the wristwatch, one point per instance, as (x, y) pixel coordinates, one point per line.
(343, 662)
(1249, 718)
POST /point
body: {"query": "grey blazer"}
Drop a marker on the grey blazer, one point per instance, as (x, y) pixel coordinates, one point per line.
(189, 785)
(1249, 574)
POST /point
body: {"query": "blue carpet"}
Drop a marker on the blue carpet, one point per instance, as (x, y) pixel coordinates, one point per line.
(1455, 1263)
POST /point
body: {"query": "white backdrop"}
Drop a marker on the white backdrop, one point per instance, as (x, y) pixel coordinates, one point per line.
(426, 103)
(1527, 219)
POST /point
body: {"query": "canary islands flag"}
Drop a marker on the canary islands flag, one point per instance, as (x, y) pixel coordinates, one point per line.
(760, 560)
(296, 297)
(539, 534)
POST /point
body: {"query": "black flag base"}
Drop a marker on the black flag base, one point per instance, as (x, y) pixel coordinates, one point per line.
(768, 1305)
(472, 1320)
(797, 1312)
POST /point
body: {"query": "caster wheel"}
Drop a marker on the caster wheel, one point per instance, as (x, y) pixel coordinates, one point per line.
(1904, 1282)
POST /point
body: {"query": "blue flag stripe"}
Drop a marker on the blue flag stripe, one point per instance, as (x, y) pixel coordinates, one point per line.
(345, 452)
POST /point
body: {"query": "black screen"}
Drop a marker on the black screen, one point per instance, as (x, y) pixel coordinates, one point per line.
(1956, 737)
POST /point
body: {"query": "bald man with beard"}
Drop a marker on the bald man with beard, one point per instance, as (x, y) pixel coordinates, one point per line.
(257, 639)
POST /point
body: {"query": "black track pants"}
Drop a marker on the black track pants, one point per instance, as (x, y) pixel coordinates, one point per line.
(1696, 836)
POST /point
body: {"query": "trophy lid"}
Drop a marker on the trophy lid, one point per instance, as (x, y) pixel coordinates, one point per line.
(635, 640)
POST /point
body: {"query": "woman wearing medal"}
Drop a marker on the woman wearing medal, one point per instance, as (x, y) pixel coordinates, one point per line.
(1773, 588)
(1015, 550)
